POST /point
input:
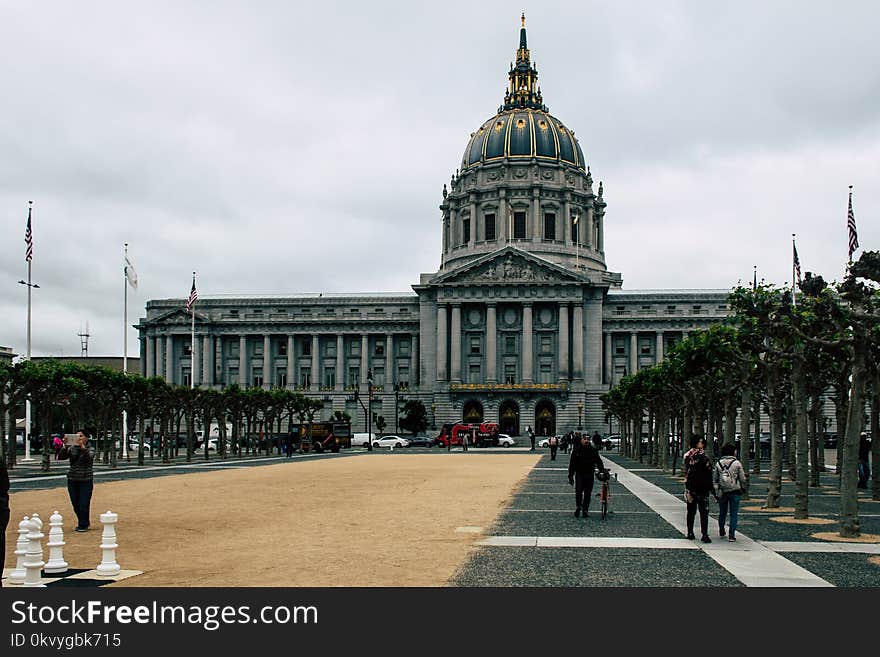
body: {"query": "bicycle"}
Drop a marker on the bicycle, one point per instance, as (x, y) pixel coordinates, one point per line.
(604, 495)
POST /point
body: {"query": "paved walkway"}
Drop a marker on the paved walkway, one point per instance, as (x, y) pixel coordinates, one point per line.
(536, 540)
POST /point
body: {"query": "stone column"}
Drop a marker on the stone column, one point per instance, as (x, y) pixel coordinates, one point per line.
(207, 360)
(593, 345)
(291, 371)
(566, 236)
(169, 358)
(491, 343)
(390, 379)
(659, 352)
(633, 352)
(445, 223)
(340, 362)
(316, 362)
(455, 343)
(609, 359)
(537, 220)
(243, 378)
(563, 341)
(268, 374)
(577, 339)
(413, 360)
(527, 342)
(472, 238)
(442, 372)
(502, 223)
(587, 228)
(365, 358)
(151, 356)
(600, 246)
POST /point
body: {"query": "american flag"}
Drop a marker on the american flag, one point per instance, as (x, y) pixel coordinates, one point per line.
(193, 295)
(851, 224)
(797, 262)
(29, 240)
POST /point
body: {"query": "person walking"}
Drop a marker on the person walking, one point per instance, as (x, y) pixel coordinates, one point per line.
(581, 465)
(597, 440)
(697, 487)
(4, 511)
(531, 437)
(553, 443)
(80, 477)
(729, 478)
(864, 464)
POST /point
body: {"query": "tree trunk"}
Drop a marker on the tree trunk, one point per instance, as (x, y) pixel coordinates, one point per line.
(875, 434)
(44, 426)
(790, 449)
(757, 468)
(841, 404)
(774, 491)
(800, 445)
(710, 434)
(849, 475)
(730, 419)
(815, 447)
(744, 435)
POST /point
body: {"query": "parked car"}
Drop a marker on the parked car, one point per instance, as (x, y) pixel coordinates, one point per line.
(133, 445)
(362, 439)
(505, 441)
(391, 441)
(420, 441)
(611, 441)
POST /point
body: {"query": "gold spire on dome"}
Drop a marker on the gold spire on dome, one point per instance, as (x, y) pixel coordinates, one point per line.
(523, 88)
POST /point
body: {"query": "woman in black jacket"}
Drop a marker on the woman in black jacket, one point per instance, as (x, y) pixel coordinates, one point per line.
(583, 462)
(697, 487)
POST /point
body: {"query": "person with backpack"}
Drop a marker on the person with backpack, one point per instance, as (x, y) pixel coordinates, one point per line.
(553, 443)
(697, 487)
(730, 481)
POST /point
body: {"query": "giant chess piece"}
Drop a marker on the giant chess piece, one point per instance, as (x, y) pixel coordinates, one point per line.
(33, 560)
(108, 566)
(36, 518)
(56, 563)
(18, 573)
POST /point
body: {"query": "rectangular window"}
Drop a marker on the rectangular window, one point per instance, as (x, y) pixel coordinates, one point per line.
(187, 349)
(490, 228)
(465, 231)
(379, 376)
(282, 348)
(474, 374)
(233, 313)
(307, 348)
(510, 374)
(258, 311)
(519, 225)
(329, 377)
(258, 349)
(355, 349)
(475, 344)
(404, 348)
(258, 378)
(233, 375)
(545, 344)
(281, 377)
(510, 345)
(403, 377)
(574, 230)
(305, 379)
(549, 226)
(646, 350)
(354, 376)
(546, 373)
(380, 348)
(330, 348)
(186, 378)
(619, 347)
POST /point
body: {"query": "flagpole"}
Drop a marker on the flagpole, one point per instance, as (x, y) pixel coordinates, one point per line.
(755, 279)
(27, 403)
(192, 349)
(793, 288)
(125, 347)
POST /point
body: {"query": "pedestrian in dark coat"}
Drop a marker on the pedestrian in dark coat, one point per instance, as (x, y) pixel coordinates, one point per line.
(697, 487)
(583, 463)
(553, 444)
(531, 437)
(80, 477)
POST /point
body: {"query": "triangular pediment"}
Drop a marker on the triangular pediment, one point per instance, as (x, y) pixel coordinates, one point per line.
(178, 316)
(509, 266)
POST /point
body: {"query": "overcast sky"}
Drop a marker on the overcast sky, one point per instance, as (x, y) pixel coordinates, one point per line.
(281, 147)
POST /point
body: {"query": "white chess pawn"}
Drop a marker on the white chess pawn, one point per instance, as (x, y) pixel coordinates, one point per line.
(36, 518)
(108, 566)
(18, 573)
(56, 563)
(33, 560)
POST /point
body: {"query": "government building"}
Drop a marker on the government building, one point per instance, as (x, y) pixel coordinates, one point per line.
(523, 324)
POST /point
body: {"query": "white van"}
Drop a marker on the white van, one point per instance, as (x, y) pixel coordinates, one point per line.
(362, 439)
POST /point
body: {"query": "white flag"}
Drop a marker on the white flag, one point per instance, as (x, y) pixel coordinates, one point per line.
(130, 273)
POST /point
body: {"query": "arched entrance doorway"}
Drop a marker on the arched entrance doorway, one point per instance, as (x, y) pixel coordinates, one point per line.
(472, 411)
(508, 417)
(545, 418)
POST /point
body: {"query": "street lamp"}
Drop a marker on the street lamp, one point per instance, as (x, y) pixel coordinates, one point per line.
(27, 404)
(433, 416)
(580, 411)
(370, 411)
(396, 405)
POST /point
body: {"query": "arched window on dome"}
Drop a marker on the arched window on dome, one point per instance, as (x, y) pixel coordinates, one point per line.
(466, 230)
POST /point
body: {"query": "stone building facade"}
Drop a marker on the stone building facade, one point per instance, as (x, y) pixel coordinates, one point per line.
(522, 324)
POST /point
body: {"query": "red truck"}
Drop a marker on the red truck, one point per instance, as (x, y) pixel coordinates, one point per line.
(477, 435)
